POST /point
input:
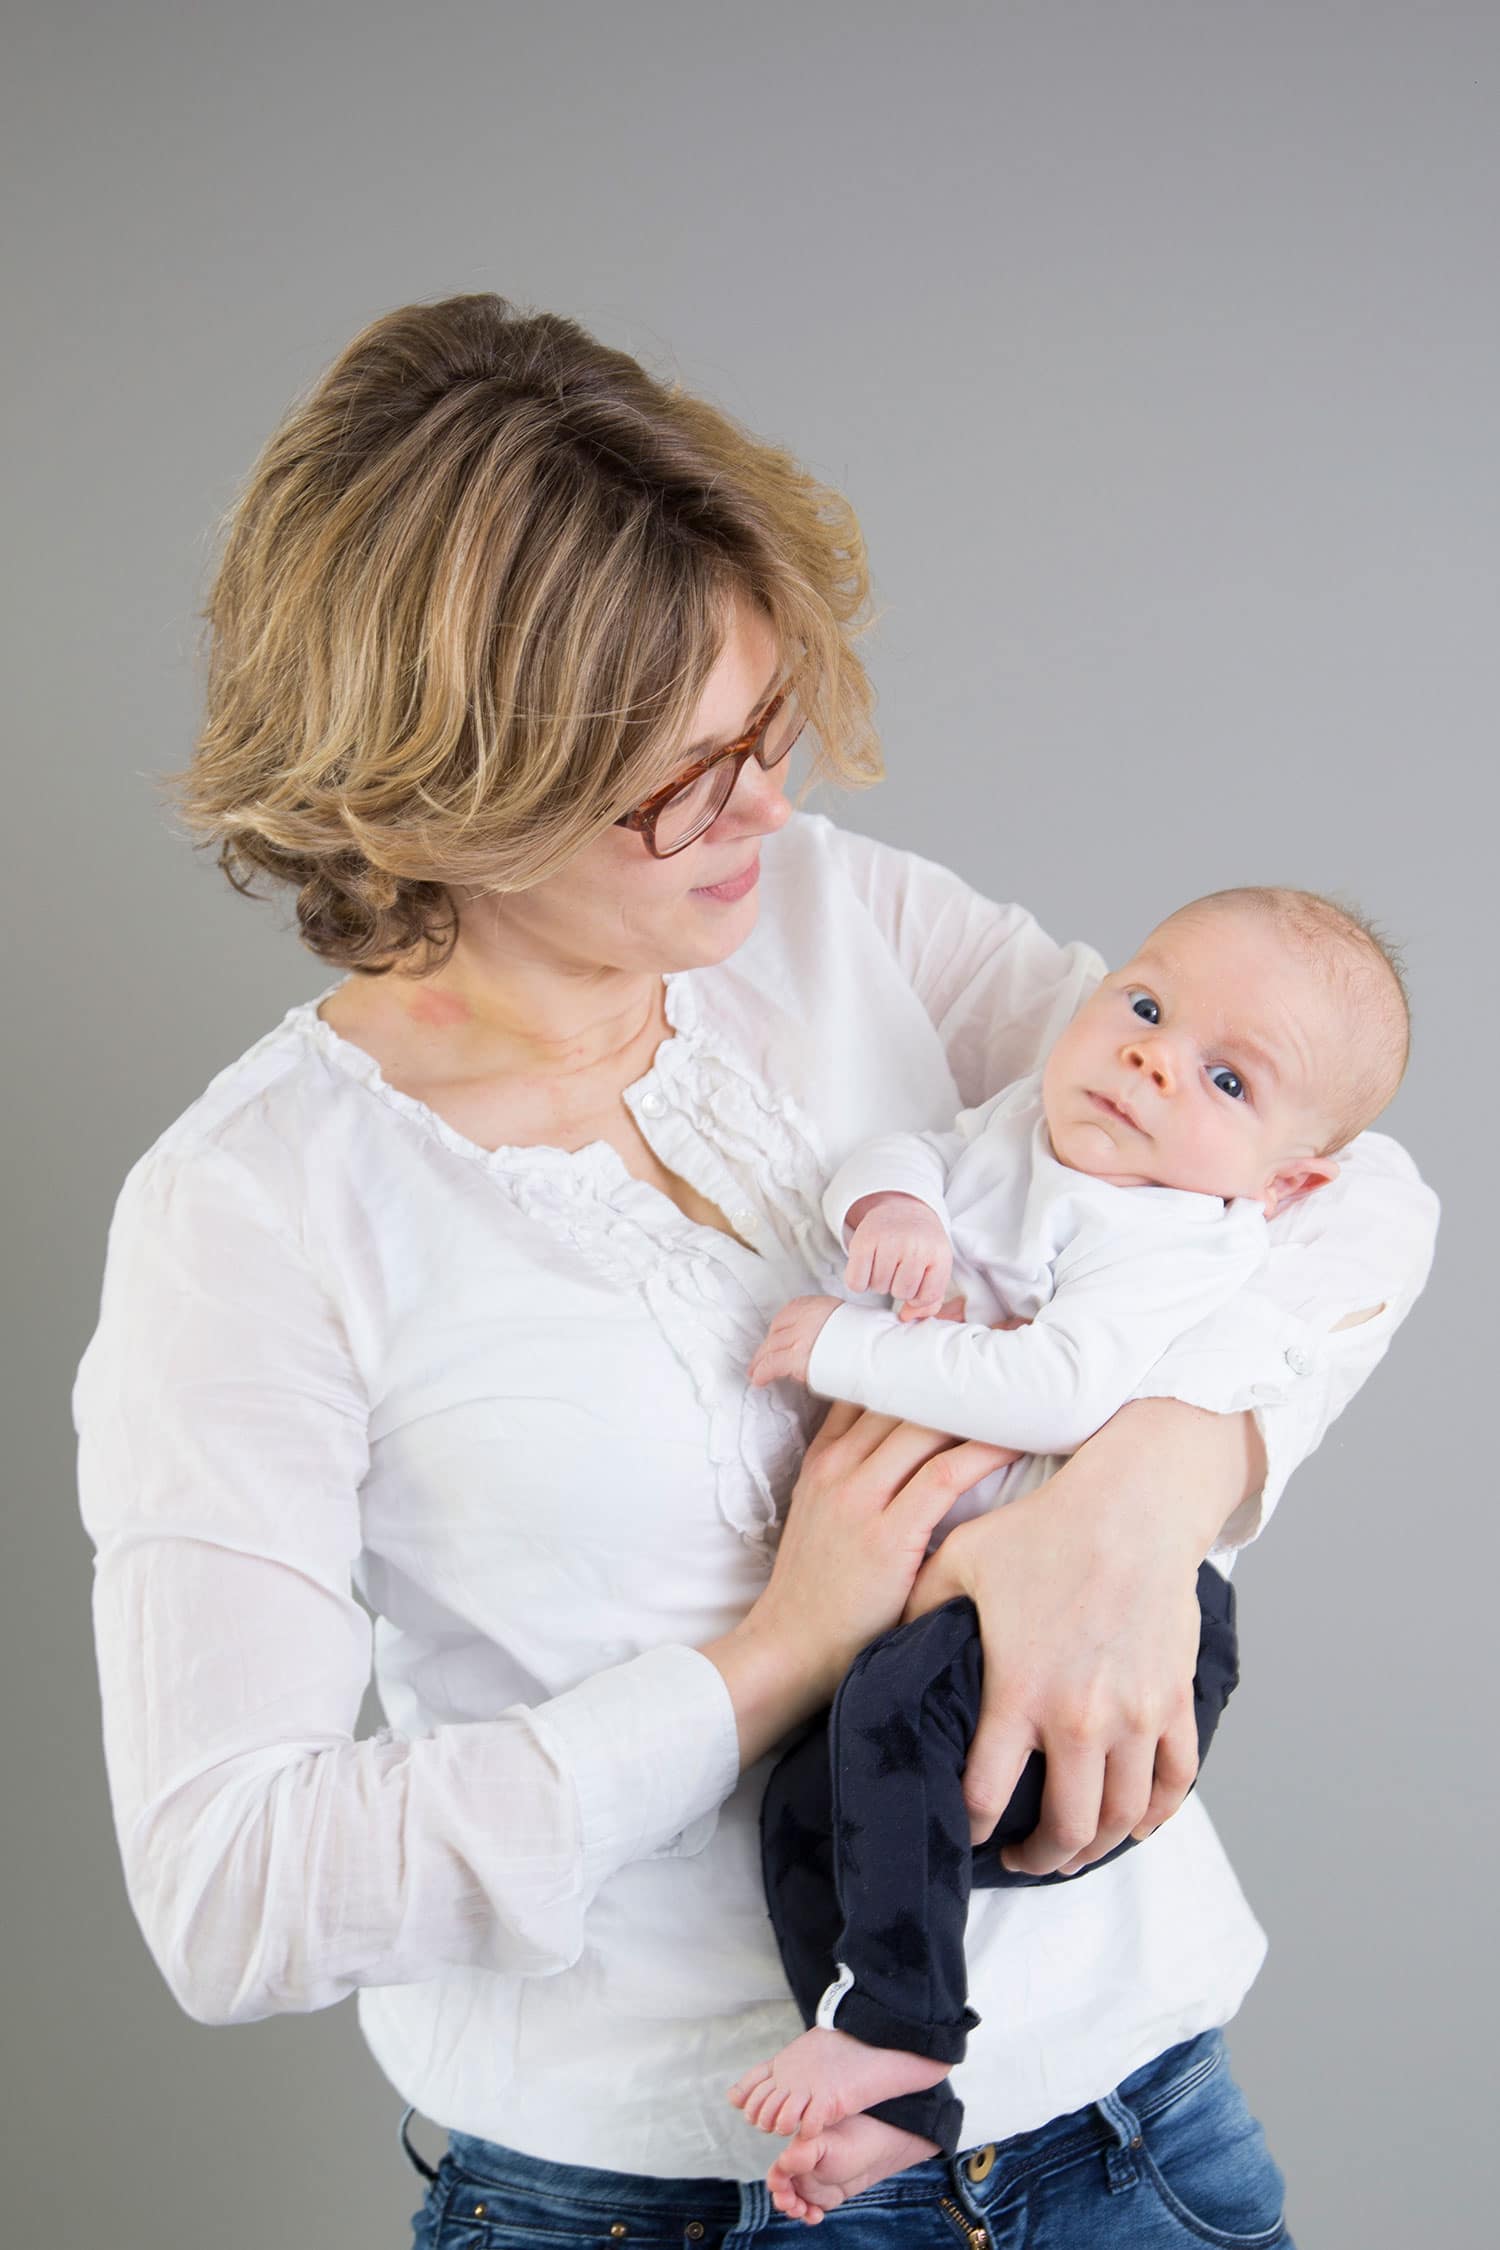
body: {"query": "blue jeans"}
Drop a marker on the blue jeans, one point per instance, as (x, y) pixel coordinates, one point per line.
(1172, 2156)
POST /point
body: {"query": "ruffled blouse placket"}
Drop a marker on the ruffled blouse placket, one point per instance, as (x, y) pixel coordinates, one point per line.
(708, 1117)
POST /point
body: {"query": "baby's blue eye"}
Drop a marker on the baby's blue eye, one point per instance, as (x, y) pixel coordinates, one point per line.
(1145, 1007)
(1229, 1082)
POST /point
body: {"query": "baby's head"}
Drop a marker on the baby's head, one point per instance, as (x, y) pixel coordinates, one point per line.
(1252, 1036)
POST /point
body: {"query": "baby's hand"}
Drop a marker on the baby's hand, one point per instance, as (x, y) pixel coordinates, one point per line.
(899, 1245)
(787, 1347)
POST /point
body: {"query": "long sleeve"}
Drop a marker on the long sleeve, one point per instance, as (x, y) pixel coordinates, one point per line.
(1045, 1388)
(997, 989)
(1361, 1246)
(274, 1861)
(915, 1164)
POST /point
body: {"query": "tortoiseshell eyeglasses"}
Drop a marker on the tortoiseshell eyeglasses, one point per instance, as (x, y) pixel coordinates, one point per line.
(678, 814)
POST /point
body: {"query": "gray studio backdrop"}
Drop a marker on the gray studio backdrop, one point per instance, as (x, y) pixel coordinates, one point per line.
(1157, 346)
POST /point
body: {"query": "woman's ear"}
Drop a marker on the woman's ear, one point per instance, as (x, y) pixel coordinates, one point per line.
(1289, 1182)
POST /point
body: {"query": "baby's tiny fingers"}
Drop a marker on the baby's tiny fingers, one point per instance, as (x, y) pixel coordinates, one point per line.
(882, 1270)
(908, 1278)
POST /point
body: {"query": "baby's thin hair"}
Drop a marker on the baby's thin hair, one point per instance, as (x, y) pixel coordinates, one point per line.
(1348, 945)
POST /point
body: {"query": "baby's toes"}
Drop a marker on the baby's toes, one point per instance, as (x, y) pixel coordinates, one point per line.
(788, 2202)
(785, 2198)
(743, 2088)
(764, 2102)
(794, 2184)
(788, 2114)
(818, 2113)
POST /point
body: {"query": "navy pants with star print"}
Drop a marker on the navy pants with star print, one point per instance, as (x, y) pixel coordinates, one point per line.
(865, 1839)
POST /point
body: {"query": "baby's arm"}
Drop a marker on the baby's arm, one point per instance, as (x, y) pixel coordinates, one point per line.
(1045, 1388)
(888, 1203)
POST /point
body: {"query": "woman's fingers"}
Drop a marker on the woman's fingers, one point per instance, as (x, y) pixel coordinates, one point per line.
(996, 1761)
(1071, 1797)
(1127, 1790)
(1176, 1770)
(857, 1431)
(940, 1474)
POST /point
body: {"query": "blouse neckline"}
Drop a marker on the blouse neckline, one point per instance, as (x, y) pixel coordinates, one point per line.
(595, 1159)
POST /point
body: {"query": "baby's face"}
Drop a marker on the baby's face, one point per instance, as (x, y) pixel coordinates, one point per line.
(1205, 1063)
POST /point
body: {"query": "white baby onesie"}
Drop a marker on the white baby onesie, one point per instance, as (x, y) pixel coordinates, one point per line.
(1109, 1278)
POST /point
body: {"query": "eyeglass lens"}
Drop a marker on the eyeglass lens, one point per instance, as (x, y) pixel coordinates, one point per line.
(698, 804)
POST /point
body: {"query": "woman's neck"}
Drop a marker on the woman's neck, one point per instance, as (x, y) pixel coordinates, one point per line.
(532, 1020)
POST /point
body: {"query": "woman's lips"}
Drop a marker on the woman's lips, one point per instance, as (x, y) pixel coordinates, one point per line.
(1117, 1110)
(734, 886)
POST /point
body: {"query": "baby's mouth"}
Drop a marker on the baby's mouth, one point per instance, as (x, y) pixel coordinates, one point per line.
(1119, 1111)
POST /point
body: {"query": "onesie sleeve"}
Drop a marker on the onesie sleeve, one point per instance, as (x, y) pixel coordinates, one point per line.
(1120, 1300)
(918, 1164)
(1362, 1245)
(275, 1862)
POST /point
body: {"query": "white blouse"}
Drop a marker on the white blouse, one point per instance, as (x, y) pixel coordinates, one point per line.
(501, 1395)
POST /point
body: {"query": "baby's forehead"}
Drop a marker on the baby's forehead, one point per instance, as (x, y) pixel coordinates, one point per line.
(1235, 951)
(1250, 978)
(1298, 977)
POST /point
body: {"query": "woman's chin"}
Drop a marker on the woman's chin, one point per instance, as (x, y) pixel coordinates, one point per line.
(719, 927)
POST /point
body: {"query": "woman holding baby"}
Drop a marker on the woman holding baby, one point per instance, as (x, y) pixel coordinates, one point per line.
(444, 1295)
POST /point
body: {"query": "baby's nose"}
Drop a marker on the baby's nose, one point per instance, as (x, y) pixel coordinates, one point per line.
(1152, 1057)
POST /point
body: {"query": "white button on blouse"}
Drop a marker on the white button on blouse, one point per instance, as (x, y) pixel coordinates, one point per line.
(501, 1395)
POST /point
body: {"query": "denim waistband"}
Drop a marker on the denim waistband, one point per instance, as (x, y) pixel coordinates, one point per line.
(720, 2201)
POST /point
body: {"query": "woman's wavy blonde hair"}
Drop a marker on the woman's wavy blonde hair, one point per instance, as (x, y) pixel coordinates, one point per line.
(467, 602)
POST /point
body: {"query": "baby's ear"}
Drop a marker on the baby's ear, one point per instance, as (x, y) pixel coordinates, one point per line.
(1289, 1183)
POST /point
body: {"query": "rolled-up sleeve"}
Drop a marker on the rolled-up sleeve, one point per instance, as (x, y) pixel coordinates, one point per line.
(275, 1862)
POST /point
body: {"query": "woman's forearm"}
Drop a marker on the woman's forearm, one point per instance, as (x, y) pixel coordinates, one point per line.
(1177, 1469)
(772, 1690)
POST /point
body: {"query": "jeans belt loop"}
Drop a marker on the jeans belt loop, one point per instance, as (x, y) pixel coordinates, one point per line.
(1121, 2167)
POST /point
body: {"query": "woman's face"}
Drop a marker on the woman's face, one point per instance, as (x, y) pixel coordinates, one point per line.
(613, 906)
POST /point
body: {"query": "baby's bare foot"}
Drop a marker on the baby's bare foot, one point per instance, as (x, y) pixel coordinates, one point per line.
(824, 2077)
(819, 2171)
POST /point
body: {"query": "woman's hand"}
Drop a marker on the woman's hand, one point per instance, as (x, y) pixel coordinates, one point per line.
(1087, 1596)
(869, 1496)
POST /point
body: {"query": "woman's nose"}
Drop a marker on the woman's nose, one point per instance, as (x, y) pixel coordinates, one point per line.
(758, 803)
(1152, 1057)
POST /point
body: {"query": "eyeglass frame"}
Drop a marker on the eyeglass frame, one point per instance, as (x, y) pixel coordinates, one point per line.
(645, 816)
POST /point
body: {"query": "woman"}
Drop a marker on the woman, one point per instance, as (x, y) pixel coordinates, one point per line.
(444, 1293)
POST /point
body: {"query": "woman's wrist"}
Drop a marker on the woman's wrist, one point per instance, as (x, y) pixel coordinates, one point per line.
(772, 1686)
(1174, 1472)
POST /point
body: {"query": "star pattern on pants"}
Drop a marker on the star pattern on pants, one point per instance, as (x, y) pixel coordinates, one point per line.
(795, 1844)
(904, 1940)
(898, 1742)
(945, 1859)
(849, 1833)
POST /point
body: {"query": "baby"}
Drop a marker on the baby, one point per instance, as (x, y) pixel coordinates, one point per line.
(1109, 1203)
